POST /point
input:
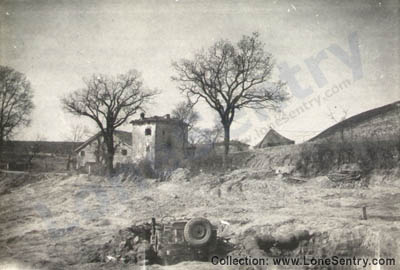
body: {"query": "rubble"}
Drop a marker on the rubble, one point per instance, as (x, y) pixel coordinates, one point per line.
(285, 169)
(180, 175)
(347, 175)
(275, 246)
(137, 245)
(129, 245)
(177, 175)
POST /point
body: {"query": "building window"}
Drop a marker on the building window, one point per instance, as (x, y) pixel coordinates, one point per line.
(147, 131)
(82, 153)
(148, 148)
(124, 152)
(163, 132)
(168, 143)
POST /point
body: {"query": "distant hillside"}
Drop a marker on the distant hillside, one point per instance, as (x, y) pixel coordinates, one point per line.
(381, 123)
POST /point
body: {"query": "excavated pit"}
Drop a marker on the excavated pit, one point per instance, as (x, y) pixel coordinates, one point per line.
(81, 222)
(358, 243)
(132, 246)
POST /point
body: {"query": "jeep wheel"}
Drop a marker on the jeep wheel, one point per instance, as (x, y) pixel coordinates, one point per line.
(198, 232)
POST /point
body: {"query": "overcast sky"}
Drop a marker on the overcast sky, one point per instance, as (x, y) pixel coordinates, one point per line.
(57, 43)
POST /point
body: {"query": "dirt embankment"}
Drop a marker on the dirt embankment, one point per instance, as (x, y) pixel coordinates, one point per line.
(58, 222)
(373, 158)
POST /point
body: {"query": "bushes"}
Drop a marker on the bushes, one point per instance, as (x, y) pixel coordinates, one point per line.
(209, 162)
(143, 168)
(319, 158)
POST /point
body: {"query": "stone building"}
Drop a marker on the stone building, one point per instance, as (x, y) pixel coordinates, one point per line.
(162, 140)
(91, 152)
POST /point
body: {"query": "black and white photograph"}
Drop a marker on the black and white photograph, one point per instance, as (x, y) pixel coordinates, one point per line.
(200, 135)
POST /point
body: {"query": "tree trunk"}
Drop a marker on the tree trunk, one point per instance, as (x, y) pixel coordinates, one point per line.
(109, 140)
(69, 162)
(98, 151)
(1, 147)
(1, 142)
(226, 146)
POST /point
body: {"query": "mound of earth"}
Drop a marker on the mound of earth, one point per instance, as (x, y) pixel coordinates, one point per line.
(59, 222)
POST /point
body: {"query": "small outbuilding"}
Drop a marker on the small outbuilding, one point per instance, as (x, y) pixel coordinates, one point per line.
(273, 138)
(92, 151)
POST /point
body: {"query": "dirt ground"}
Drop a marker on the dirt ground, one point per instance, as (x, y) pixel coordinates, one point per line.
(55, 221)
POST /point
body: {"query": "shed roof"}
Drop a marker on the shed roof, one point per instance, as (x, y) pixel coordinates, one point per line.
(273, 138)
(124, 136)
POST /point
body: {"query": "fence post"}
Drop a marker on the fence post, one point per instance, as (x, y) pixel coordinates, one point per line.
(364, 213)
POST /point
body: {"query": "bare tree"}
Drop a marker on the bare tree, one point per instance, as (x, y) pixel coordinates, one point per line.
(109, 102)
(337, 119)
(15, 102)
(185, 112)
(195, 136)
(33, 150)
(229, 78)
(212, 135)
(78, 133)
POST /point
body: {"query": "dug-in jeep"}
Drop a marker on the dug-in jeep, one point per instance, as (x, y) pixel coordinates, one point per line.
(174, 241)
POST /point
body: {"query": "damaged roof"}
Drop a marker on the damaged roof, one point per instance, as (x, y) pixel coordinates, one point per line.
(124, 136)
(157, 119)
(273, 138)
